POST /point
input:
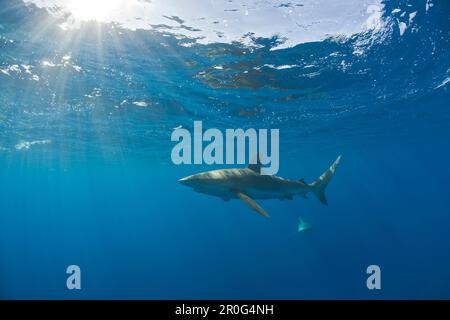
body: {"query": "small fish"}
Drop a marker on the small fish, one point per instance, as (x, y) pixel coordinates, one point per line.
(303, 226)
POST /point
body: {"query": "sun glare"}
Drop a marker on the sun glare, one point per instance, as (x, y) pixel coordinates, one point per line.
(98, 10)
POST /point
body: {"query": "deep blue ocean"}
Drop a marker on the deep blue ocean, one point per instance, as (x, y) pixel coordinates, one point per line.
(86, 177)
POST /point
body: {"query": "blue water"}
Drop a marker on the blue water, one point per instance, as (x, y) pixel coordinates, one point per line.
(86, 176)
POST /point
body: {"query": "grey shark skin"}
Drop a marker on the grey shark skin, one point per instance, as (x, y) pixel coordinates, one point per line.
(249, 185)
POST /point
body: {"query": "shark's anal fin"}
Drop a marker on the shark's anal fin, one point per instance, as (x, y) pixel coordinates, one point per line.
(252, 204)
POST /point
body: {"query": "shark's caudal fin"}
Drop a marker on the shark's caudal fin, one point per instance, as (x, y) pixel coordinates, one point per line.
(318, 186)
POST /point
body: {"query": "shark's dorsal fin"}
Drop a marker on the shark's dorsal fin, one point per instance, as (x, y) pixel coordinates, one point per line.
(256, 167)
(251, 203)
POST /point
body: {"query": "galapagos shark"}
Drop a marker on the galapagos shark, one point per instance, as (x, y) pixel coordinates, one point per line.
(248, 184)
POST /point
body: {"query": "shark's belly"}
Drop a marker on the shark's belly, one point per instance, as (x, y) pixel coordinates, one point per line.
(229, 192)
(255, 193)
(217, 191)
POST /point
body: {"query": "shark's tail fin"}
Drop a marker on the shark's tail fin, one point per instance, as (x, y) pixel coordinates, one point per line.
(318, 186)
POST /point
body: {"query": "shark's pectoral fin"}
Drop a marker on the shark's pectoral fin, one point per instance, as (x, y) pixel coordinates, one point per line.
(252, 204)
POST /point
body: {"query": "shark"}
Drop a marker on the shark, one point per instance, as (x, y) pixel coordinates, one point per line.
(249, 185)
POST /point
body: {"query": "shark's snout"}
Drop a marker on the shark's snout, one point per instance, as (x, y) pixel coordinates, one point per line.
(186, 180)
